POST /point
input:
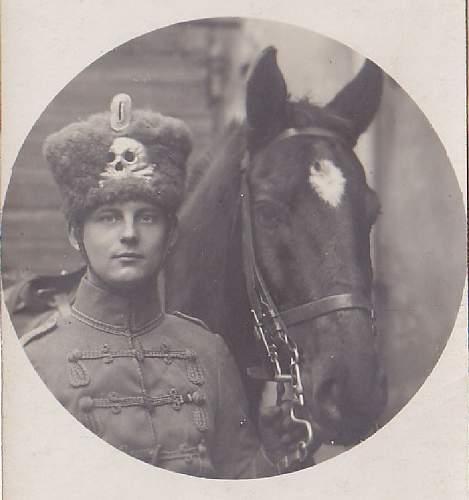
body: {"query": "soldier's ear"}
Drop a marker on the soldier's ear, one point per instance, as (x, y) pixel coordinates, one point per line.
(73, 236)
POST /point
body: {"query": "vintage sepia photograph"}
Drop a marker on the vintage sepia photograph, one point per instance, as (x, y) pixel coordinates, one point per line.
(232, 248)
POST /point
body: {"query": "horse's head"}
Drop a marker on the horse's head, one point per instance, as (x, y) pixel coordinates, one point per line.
(312, 212)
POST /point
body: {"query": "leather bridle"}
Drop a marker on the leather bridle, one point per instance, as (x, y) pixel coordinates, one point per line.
(271, 324)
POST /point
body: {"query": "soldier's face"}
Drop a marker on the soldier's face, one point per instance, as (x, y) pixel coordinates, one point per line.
(125, 242)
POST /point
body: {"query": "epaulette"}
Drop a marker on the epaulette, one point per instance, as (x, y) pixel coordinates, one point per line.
(40, 330)
(37, 293)
(197, 321)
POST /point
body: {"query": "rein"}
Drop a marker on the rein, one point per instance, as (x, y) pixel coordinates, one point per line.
(270, 323)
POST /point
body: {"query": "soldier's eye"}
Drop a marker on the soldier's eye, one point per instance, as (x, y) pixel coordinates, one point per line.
(148, 218)
(108, 218)
(110, 157)
(129, 156)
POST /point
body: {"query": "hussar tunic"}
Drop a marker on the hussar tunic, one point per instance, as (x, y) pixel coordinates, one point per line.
(159, 387)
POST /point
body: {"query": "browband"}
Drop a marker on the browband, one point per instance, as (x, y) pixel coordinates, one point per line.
(307, 131)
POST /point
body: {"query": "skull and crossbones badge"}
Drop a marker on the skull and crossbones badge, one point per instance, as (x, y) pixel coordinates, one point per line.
(126, 157)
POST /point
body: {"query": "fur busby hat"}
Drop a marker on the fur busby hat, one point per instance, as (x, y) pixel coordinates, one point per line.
(121, 155)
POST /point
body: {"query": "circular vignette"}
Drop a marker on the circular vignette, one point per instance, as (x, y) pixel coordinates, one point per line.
(196, 71)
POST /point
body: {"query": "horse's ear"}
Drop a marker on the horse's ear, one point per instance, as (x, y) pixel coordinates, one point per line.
(359, 100)
(266, 98)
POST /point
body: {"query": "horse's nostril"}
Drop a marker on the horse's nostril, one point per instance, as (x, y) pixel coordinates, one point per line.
(328, 388)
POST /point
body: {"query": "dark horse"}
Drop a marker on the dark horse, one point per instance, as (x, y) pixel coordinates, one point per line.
(312, 212)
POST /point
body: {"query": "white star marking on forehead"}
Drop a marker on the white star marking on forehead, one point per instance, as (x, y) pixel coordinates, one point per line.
(328, 181)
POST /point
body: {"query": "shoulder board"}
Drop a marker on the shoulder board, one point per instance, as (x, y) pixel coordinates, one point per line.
(197, 321)
(40, 330)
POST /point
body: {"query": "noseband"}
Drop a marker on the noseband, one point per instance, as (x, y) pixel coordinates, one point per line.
(270, 323)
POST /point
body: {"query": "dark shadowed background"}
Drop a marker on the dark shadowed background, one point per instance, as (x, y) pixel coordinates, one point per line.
(195, 71)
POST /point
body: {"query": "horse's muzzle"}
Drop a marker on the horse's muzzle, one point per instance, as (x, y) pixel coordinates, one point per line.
(343, 419)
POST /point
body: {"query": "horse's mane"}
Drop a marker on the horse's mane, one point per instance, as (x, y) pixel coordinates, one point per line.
(196, 170)
(226, 149)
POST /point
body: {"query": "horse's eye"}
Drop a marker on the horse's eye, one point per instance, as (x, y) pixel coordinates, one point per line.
(268, 215)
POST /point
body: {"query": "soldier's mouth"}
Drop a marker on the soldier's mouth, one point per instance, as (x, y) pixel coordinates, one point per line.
(128, 256)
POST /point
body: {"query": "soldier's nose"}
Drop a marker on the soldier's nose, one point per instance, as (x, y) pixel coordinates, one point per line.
(129, 233)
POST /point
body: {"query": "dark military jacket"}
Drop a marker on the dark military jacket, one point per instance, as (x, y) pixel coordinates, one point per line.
(159, 387)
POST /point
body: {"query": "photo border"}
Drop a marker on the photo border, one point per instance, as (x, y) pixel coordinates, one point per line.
(422, 452)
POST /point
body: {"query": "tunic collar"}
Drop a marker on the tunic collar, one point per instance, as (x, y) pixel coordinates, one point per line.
(109, 311)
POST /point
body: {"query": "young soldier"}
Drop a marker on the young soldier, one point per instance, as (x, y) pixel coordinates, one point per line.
(158, 386)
